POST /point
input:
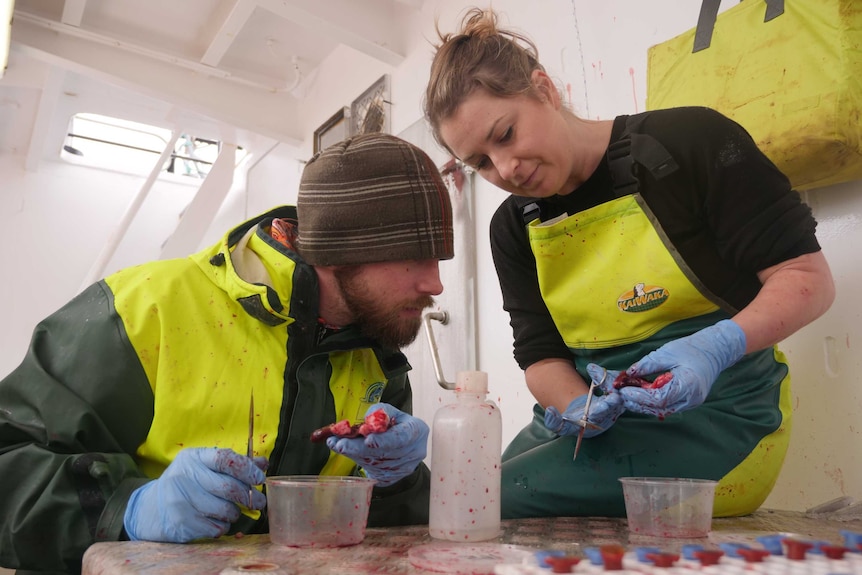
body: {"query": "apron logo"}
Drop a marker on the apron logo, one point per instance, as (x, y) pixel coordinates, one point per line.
(642, 298)
(372, 395)
(374, 392)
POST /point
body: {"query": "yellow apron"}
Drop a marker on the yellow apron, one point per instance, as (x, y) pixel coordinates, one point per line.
(616, 291)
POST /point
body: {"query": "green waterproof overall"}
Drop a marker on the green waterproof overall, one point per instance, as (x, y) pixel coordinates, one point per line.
(617, 291)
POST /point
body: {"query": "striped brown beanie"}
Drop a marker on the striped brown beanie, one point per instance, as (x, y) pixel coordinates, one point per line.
(373, 198)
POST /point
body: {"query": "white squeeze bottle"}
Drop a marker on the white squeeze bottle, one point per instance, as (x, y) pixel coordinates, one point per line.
(465, 464)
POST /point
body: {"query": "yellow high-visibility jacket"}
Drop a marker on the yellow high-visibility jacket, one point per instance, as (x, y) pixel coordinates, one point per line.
(164, 356)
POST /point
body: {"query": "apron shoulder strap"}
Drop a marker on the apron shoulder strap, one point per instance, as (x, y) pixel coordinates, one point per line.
(632, 148)
(530, 211)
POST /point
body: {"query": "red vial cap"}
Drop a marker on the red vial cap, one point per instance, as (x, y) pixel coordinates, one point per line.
(562, 564)
(753, 555)
(834, 551)
(663, 559)
(708, 556)
(796, 549)
(612, 555)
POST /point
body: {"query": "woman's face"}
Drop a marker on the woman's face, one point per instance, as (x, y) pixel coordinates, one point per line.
(518, 143)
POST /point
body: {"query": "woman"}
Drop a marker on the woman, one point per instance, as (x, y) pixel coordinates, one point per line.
(659, 243)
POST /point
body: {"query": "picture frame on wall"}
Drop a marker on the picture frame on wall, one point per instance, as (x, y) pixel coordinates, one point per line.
(333, 130)
(370, 112)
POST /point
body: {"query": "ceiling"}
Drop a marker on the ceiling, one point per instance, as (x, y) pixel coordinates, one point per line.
(186, 62)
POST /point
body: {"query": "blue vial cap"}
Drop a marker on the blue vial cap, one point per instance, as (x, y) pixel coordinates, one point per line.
(852, 540)
(732, 549)
(689, 549)
(594, 555)
(818, 547)
(642, 552)
(772, 543)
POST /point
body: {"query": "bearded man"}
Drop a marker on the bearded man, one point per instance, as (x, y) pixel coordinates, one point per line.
(128, 418)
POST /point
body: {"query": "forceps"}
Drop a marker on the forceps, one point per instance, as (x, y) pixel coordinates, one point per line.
(584, 421)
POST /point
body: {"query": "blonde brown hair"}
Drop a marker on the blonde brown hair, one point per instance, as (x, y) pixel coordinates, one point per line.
(480, 55)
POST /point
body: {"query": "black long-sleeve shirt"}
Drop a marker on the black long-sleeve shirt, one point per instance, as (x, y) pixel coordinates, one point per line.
(728, 211)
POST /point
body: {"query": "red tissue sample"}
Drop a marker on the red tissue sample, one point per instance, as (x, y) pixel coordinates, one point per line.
(375, 422)
(626, 380)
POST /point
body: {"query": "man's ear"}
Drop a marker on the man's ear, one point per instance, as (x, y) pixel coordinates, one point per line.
(544, 88)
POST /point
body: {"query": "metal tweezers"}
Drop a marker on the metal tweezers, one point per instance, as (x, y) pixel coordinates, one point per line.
(584, 421)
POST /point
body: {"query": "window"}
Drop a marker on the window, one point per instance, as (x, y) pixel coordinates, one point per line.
(126, 146)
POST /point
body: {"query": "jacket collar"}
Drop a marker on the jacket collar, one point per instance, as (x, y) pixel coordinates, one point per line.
(269, 280)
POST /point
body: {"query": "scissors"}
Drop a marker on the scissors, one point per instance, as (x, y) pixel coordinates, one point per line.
(584, 421)
(250, 451)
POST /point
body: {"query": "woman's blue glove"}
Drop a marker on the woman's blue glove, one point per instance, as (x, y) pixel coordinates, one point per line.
(604, 409)
(197, 496)
(391, 455)
(695, 361)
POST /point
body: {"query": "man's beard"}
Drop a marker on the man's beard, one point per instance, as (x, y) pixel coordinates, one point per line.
(379, 319)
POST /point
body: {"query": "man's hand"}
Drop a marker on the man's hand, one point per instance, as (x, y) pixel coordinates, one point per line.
(391, 455)
(604, 409)
(196, 497)
(695, 361)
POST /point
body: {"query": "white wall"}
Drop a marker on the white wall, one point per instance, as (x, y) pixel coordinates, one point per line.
(54, 221)
(825, 460)
(53, 226)
(272, 179)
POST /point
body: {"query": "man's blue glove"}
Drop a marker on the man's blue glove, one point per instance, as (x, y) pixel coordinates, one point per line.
(196, 497)
(391, 455)
(695, 361)
(604, 409)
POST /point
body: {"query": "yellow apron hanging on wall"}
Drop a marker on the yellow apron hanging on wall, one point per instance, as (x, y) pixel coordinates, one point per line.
(788, 71)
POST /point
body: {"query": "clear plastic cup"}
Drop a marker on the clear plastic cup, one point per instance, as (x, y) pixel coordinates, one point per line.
(318, 511)
(669, 507)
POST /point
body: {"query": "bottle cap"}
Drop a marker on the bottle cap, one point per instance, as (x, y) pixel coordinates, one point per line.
(471, 381)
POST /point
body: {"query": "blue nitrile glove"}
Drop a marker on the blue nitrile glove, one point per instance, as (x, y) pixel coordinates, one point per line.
(389, 456)
(695, 362)
(196, 497)
(604, 409)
